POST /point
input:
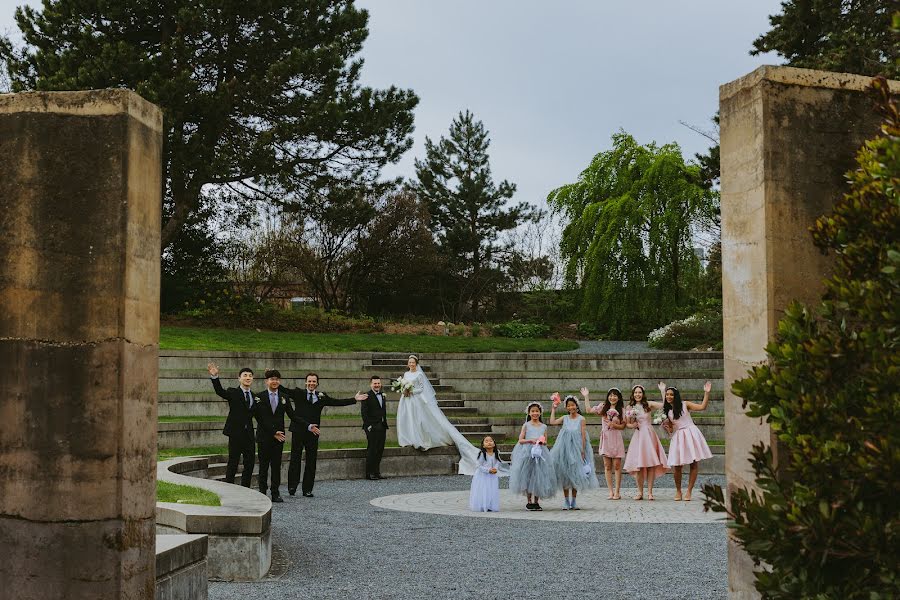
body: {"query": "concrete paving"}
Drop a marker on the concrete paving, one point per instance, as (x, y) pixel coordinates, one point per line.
(341, 545)
(594, 507)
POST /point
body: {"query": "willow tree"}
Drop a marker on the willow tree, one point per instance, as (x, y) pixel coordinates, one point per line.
(628, 243)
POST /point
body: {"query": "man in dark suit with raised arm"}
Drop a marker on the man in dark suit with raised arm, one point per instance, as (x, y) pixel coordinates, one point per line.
(239, 424)
(374, 418)
(308, 405)
(269, 411)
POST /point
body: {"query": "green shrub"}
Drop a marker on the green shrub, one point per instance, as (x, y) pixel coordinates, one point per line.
(588, 331)
(458, 330)
(702, 329)
(824, 523)
(226, 309)
(476, 329)
(518, 329)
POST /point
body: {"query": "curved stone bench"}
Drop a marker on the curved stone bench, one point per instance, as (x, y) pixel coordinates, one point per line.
(240, 530)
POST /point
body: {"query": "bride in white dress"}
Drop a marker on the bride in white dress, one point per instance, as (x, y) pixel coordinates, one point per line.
(421, 424)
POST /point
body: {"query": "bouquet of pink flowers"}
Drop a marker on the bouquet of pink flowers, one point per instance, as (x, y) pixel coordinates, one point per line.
(554, 397)
(612, 414)
(631, 413)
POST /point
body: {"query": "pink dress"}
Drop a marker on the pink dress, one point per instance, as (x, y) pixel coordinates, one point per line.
(645, 449)
(611, 443)
(688, 444)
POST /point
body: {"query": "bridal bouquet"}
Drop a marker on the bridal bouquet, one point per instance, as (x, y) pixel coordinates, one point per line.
(403, 387)
(612, 414)
(631, 413)
(659, 418)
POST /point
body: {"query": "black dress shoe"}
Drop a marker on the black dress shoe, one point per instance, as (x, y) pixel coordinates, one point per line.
(292, 491)
(373, 477)
(308, 494)
(379, 476)
(277, 499)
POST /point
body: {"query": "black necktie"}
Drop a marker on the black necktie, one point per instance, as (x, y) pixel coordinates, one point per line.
(248, 399)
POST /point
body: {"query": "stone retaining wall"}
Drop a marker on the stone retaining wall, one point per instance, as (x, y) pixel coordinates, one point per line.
(240, 535)
(181, 567)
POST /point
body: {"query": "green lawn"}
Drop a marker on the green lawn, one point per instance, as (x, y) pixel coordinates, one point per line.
(214, 418)
(171, 492)
(250, 340)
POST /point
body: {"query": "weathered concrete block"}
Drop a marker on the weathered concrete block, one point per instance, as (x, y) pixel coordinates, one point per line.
(788, 136)
(79, 322)
(181, 567)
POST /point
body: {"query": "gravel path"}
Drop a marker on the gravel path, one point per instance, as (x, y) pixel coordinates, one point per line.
(611, 347)
(340, 546)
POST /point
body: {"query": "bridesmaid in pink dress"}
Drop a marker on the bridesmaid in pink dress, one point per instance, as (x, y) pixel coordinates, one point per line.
(612, 446)
(646, 458)
(688, 446)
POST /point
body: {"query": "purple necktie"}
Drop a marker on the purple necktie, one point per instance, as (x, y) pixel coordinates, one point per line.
(273, 400)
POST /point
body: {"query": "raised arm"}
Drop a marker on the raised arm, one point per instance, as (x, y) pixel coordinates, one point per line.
(217, 385)
(587, 399)
(662, 390)
(692, 406)
(553, 419)
(329, 401)
(654, 405)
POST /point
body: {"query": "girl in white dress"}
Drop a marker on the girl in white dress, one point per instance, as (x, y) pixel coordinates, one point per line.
(422, 425)
(484, 495)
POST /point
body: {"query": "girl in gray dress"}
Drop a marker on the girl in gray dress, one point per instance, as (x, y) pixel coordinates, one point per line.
(572, 458)
(532, 473)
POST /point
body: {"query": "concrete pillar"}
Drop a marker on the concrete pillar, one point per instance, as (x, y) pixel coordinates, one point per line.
(788, 136)
(79, 333)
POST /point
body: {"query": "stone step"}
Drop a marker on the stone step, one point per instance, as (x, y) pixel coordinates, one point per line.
(458, 410)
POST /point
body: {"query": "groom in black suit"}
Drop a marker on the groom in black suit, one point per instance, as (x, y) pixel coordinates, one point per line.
(269, 411)
(374, 418)
(239, 424)
(308, 405)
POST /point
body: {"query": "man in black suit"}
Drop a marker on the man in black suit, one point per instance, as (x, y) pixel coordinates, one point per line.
(308, 405)
(374, 418)
(269, 411)
(239, 424)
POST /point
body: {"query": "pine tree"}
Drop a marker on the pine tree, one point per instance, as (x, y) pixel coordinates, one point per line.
(850, 36)
(468, 212)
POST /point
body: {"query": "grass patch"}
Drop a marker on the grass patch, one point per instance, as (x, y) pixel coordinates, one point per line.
(185, 494)
(214, 418)
(250, 340)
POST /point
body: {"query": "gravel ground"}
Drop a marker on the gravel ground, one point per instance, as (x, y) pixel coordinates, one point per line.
(340, 546)
(611, 347)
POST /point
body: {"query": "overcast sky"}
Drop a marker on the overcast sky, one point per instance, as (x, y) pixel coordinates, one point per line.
(552, 81)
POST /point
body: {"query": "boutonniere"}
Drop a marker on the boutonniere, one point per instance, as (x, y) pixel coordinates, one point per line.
(319, 394)
(255, 399)
(282, 401)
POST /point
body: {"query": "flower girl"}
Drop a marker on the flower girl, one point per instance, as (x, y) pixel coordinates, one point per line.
(532, 473)
(572, 458)
(485, 493)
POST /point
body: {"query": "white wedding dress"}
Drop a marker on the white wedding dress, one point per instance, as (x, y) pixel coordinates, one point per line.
(421, 424)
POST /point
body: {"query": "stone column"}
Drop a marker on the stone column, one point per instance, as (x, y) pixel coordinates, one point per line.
(788, 136)
(79, 334)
